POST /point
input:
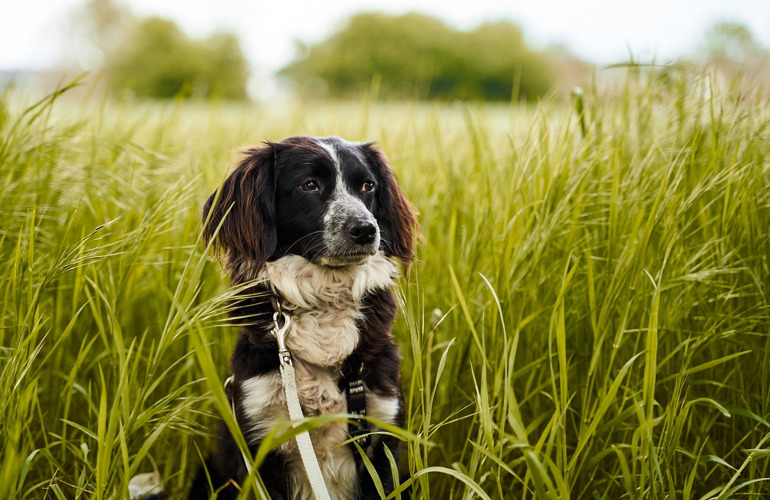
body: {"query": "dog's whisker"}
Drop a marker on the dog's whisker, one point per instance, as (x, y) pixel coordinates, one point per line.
(314, 234)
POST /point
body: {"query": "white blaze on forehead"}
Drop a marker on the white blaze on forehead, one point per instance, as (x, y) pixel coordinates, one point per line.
(341, 189)
(333, 153)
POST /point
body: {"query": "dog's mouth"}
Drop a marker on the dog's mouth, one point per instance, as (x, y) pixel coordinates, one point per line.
(344, 260)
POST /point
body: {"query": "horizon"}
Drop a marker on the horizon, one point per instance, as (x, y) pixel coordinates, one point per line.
(34, 34)
(44, 35)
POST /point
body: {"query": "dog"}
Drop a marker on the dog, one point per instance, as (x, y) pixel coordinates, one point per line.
(322, 229)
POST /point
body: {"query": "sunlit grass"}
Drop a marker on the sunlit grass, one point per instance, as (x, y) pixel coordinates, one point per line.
(602, 294)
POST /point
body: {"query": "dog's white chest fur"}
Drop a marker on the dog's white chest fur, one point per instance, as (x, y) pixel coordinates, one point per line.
(325, 307)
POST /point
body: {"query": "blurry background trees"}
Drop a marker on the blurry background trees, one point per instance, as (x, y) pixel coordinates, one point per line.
(418, 56)
(403, 57)
(156, 59)
(153, 57)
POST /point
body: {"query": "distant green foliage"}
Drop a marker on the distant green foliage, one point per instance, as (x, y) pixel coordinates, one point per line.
(157, 59)
(417, 56)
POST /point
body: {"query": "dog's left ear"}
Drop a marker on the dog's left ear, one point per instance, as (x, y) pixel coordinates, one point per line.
(243, 209)
(394, 214)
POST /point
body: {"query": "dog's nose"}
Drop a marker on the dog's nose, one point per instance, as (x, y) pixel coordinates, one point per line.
(362, 231)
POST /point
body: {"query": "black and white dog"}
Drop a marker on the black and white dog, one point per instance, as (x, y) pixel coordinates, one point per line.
(321, 224)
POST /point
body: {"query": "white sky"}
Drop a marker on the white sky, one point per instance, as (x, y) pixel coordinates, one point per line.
(34, 33)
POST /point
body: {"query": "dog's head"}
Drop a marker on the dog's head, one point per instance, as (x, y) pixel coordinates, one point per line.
(329, 200)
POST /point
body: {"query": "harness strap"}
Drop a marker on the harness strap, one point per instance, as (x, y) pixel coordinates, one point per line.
(356, 397)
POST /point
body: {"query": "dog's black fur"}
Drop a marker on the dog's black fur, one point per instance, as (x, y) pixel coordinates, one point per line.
(335, 203)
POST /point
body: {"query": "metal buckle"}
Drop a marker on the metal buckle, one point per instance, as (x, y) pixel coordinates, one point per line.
(279, 332)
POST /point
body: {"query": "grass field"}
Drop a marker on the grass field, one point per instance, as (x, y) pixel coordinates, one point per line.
(603, 327)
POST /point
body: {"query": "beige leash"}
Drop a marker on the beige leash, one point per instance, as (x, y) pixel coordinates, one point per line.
(309, 459)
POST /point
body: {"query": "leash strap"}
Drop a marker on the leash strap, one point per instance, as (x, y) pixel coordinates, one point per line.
(309, 459)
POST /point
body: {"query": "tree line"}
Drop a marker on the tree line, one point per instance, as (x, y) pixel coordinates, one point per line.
(411, 56)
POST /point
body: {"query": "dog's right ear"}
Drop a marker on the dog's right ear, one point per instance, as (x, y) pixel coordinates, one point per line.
(244, 206)
(395, 215)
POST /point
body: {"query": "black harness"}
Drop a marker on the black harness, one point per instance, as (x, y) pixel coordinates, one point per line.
(358, 428)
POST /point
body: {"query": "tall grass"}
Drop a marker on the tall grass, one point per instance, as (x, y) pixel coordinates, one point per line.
(588, 317)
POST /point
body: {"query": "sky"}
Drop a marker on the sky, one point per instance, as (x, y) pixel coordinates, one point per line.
(34, 34)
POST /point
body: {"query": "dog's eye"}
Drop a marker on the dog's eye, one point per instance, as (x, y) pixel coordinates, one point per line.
(310, 185)
(368, 186)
